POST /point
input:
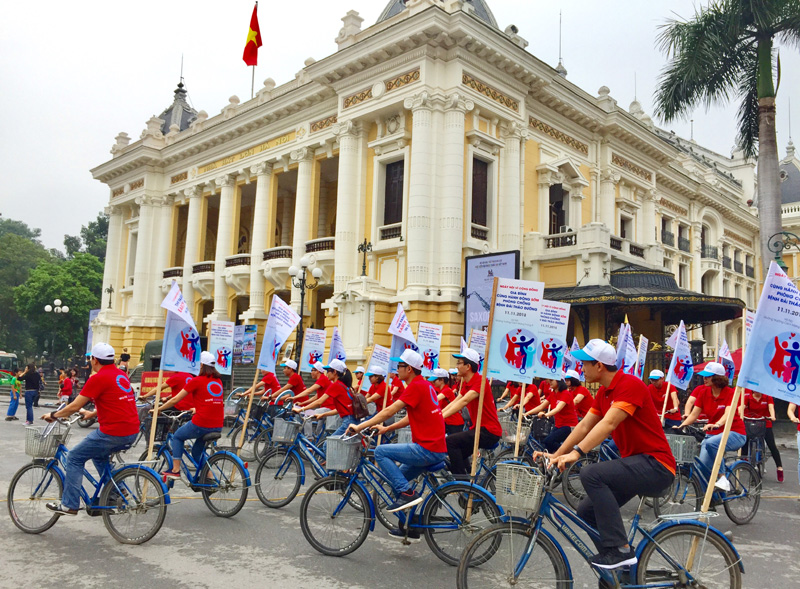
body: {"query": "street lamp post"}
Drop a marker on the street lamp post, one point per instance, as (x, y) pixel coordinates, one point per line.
(780, 242)
(364, 248)
(299, 280)
(110, 292)
(58, 309)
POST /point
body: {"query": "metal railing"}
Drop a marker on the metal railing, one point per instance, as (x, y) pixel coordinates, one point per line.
(750, 271)
(710, 252)
(738, 266)
(668, 238)
(479, 232)
(173, 273)
(203, 267)
(637, 250)
(616, 243)
(391, 231)
(726, 262)
(277, 253)
(238, 260)
(683, 244)
(320, 245)
(561, 240)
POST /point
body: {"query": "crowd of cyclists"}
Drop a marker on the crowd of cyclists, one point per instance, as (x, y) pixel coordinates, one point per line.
(442, 412)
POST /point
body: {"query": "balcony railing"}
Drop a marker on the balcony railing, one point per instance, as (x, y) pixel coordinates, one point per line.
(561, 240)
(616, 243)
(683, 244)
(479, 232)
(738, 266)
(173, 273)
(750, 271)
(320, 245)
(277, 253)
(203, 267)
(637, 251)
(668, 238)
(726, 262)
(238, 260)
(391, 231)
(710, 252)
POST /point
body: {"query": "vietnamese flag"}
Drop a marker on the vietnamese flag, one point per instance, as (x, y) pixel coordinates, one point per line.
(253, 42)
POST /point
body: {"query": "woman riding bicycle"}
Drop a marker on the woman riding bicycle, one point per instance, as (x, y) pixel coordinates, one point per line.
(758, 406)
(338, 392)
(445, 396)
(209, 413)
(672, 413)
(115, 408)
(561, 406)
(581, 396)
(715, 402)
(377, 395)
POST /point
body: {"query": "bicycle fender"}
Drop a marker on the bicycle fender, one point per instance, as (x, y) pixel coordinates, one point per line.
(302, 465)
(673, 523)
(157, 476)
(240, 461)
(372, 516)
(449, 484)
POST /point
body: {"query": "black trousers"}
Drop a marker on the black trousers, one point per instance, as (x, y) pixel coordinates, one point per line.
(459, 447)
(556, 437)
(453, 429)
(769, 438)
(611, 484)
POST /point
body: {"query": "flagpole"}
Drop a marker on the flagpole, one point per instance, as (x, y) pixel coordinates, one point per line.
(519, 419)
(253, 81)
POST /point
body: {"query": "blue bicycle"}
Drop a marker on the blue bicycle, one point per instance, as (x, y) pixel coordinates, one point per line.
(131, 499)
(675, 553)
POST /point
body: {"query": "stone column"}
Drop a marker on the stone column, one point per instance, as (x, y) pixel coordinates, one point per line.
(510, 203)
(347, 202)
(648, 218)
(450, 224)
(575, 206)
(162, 256)
(141, 271)
(422, 176)
(545, 181)
(696, 247)
(302, 210)
(113, 261)
(225, 238)
(191, 252)
(608, 200)
(260, 241)
(286, 220)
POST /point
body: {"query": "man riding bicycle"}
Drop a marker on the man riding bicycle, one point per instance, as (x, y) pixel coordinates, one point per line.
(115, 408)
(624, 409)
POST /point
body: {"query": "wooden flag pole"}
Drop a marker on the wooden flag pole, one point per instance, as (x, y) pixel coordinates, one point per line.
(519, 418)
(480, 398)
(638, 355)
(154, 421)
(247, 414)
(664, 408)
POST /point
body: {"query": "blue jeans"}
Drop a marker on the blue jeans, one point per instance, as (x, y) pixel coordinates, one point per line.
(30, 396)
(96, 447)
(413, 459)
(710, 446)
(189, 431)
(12, 405)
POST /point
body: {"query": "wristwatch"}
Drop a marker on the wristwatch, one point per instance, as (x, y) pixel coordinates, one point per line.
(577, 448)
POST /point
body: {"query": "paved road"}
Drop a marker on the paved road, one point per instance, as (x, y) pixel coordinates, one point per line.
(262, 547)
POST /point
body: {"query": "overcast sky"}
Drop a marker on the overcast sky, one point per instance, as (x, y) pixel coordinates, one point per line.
(73, 75)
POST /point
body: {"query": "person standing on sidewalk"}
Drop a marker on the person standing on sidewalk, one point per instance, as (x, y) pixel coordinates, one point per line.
(16, 388)
(31, 380)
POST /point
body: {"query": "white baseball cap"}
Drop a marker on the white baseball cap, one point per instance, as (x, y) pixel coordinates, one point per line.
(375, 370)
(573, 374)
(411, 358)
(655, 375)
(713, 368)
(318, 366)
(290, 364)
(207, 358)
(337, 365)
(469, 354)
(359, 369)
(454, 371)
(439, 373)
(596, 351)
(103, 351)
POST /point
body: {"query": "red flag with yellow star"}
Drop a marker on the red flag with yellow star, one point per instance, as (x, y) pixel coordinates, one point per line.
(250, 56)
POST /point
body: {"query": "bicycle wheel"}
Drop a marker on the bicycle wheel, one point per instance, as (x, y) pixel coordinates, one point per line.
(30, 490)
(328, 519)
(226, 498)
(508, 454)
(745, 495)
(715, 565)
(684, 496)
(571, 481)
(263, 443)
(163, 460)
(447, 530)
(277, 478)
(247, 453)
(493, 556)
(135, 506)
(381, 506)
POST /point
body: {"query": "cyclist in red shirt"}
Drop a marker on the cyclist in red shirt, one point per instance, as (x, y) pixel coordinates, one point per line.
(623, 408)
(758, 406)
(561, 406)
(377, 394)
(658, 390)
(581, 396)
(339, 393)
(321, 383)
(459, 446)
(512, 388)
(175, 383)
(115, 408)
(358, 374)
(427, 447)
(294, 382)
(269, 382)
(440, 380)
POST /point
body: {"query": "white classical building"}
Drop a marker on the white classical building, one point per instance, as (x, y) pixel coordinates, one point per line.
(433, 135)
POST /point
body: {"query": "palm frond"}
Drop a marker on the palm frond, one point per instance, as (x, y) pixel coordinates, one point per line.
(788, 28)
(747, 116)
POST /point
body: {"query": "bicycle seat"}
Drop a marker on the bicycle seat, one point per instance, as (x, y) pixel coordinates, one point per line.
(210, 437)
(436, 467)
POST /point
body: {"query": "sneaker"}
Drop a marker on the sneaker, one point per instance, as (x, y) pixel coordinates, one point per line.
(398, 534)
(723, 484)
(612, 558)
(405, 500)
(780, 475)
(60, 509)
(14, 418)
(169, 474)
(28, 423)
(9, 418)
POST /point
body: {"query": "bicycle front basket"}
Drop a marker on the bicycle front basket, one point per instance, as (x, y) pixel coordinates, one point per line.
(509, 425)
(39, 444)
(755, 428)
(342, 453)
(284, 432)
(684, 448)
(518, 487)
(163, 425)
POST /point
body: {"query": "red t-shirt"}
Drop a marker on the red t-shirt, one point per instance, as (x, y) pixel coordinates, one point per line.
(206, 392)
(567, 416)
(697, 391)
(66, 387)
(115, 401)
(513, 389)
(489, 420)
(379, 389)
(658, 401)
(544, 388)
(296, 384)
(340, 396)
(176, 383)
(449, 397)
(400, 388)
(715, 408)
(271, 384)
(586, 403)
(640, 432)
(424, 415)
(757, 408)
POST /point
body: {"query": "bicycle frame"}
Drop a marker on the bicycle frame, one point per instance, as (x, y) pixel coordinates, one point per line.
(302, 447)
(726, 469)
(193, 478)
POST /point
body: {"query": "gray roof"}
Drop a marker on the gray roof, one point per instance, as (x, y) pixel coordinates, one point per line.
(179, 112)
(790, 181)
(695, 151)
(482, 11)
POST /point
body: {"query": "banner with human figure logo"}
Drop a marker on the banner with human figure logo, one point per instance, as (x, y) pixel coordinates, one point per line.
(681, 368)
(281, 322)
(515, 321)
(400, 345)
(724, 357)
(337, 347)
(771, 363)
(626, 349)
(220, 343)
(313, 348)
(400, 325)
(180, 349)
(571, 363)
(380, 357)
(477, 342)
(552, 333)
(429, 340)
(642, 360)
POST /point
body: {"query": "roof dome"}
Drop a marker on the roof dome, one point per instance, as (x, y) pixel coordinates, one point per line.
(179, 112)
(480, 8)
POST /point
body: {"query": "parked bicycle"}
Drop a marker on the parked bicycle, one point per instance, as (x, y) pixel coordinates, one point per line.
(131, 499)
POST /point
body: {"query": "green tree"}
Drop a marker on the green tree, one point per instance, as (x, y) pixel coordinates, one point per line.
(727, 50)
(92, 239)
(19, 228)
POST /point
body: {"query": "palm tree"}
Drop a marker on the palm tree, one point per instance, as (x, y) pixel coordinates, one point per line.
(727, 50)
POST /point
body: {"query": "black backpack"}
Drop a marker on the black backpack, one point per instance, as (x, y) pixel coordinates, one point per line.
(360, 409)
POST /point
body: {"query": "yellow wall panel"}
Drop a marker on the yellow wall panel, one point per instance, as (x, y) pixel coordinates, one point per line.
(557, 274)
